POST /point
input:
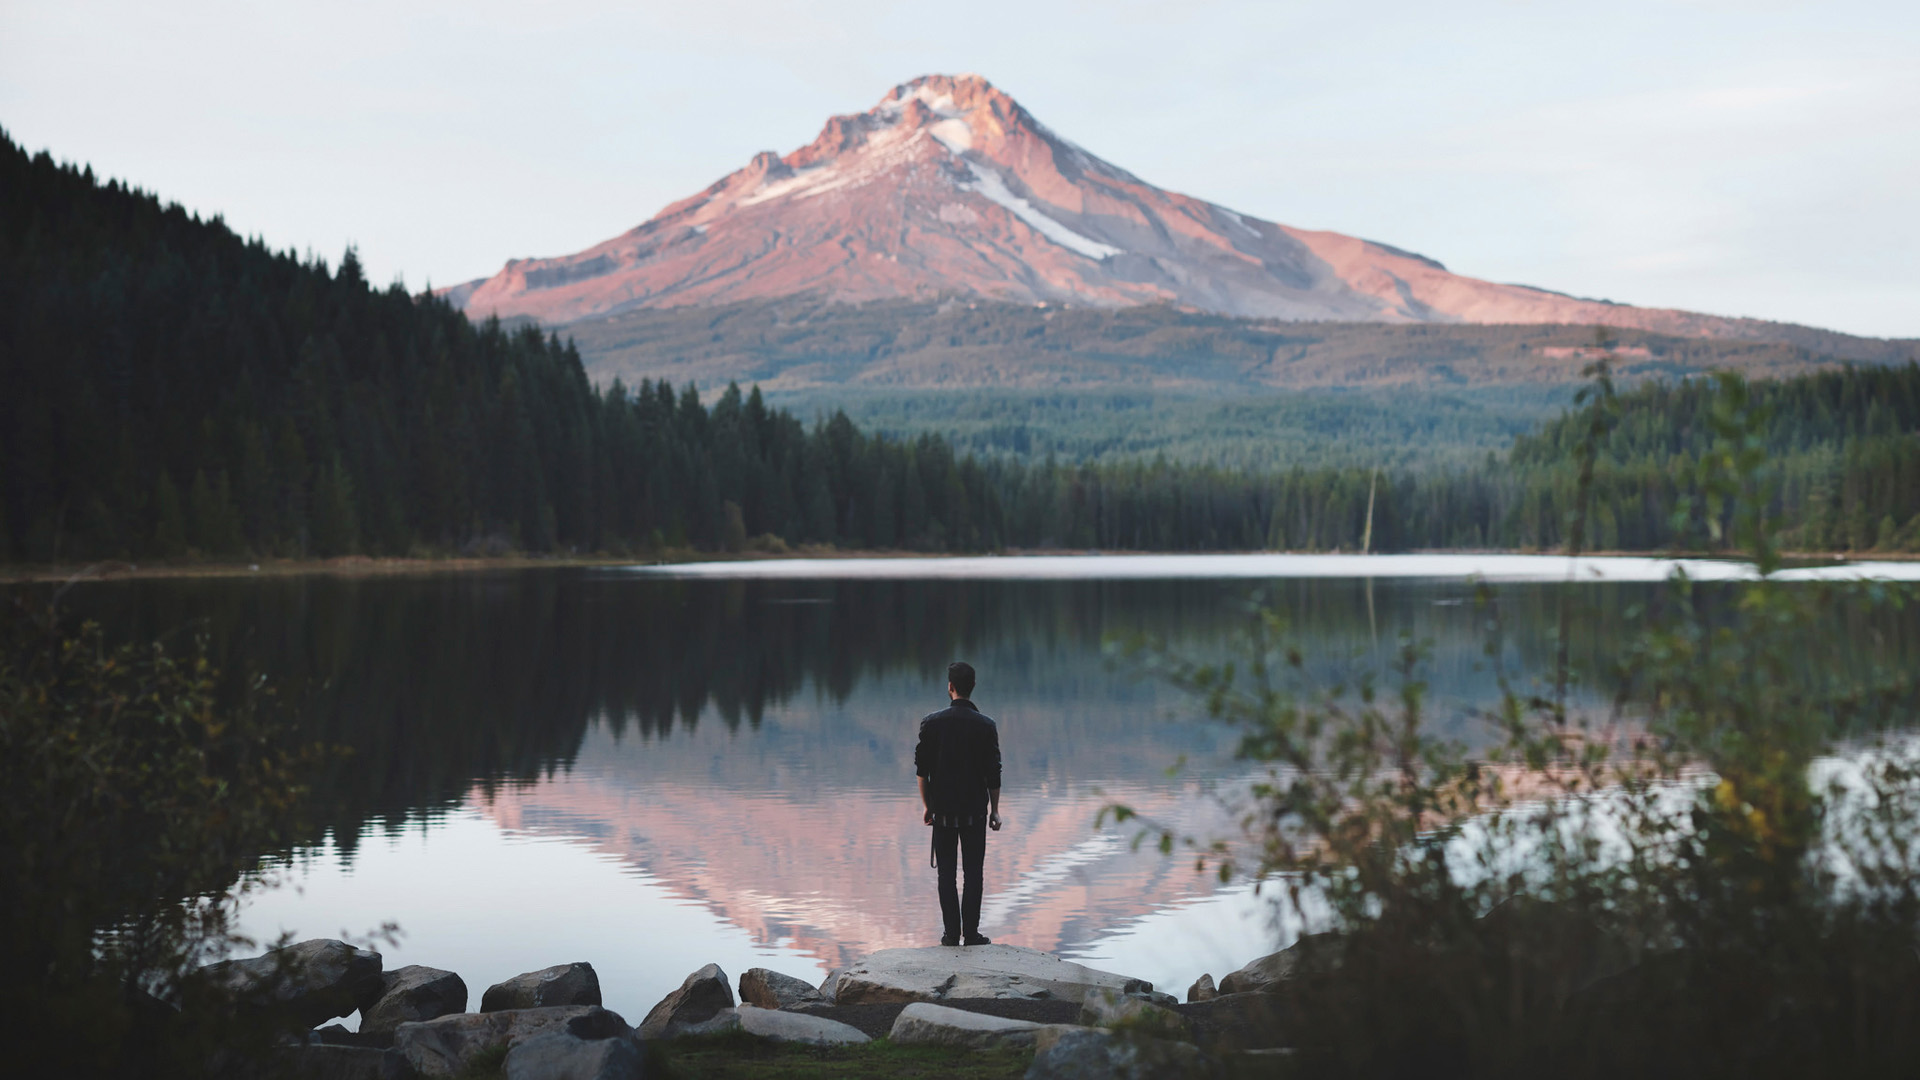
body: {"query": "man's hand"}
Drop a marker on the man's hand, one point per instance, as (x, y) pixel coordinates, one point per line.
(993, 821)
(927, 818)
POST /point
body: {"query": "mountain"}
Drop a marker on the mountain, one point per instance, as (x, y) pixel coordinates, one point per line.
(948, 187)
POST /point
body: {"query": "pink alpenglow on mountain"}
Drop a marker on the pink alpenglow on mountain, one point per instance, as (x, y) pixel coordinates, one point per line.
(949, 187)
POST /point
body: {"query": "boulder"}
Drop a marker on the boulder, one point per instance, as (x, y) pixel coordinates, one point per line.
(1133, 1013)
(772, 990)
(445, 1046)
(562, 1055)
(1202, 990)
(982, 971)
(1230, 1023)
(1078, 1053)
(703, 994)
(328, 1061)
(310, 983)
(926, 1024)
(414, 993)
(1313, 952)
(775, 1026)
(563, 984)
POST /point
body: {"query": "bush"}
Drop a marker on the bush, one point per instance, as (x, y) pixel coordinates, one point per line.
(137, 803)
(1717, 876)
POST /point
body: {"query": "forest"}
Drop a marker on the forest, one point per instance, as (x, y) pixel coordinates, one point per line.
(171, 390)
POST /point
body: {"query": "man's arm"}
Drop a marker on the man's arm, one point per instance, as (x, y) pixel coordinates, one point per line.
(922, 766)
(993, 780)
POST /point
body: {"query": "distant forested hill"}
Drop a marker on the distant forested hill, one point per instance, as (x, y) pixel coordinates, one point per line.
(801, 344)
(1090, 384)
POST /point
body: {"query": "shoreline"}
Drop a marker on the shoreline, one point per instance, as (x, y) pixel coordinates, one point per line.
(371, 566)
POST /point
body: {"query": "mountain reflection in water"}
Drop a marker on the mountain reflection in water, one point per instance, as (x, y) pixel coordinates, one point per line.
(653, 773)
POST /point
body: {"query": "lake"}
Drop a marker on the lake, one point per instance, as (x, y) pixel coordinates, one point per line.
(655, 768)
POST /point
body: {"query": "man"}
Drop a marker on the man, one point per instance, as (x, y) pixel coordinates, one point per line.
(958, 761)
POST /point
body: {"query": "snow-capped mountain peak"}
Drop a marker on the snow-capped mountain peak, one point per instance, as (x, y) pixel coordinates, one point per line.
(948, 186)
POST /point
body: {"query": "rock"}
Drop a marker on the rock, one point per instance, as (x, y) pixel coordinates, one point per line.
(1312, 952)
(1070, 1053)
(1202, 990)
(415, 993)
(772, 990)
(704, 993)
(791, 1027)
(564, 984)
(562, 1055)
(925, 1024)
(775, 1026)
(1132, 1013)
(310, 983)
(1230, 1023)
(827, 986)
(983, 971)
(329, 1061)
(445, 1046)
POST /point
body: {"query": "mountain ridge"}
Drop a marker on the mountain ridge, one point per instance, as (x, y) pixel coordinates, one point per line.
(949, 187)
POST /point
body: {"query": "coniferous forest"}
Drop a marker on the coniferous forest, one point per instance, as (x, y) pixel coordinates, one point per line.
(169, 389)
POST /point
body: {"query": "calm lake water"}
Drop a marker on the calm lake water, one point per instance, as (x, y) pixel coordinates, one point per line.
(658, 768)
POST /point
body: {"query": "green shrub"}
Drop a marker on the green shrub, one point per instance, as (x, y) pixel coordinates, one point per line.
(1715, 876)
(137, 802)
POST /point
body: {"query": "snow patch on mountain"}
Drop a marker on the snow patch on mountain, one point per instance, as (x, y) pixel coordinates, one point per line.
(988, 183)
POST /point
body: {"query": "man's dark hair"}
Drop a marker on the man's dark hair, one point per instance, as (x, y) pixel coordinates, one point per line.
(960, 677)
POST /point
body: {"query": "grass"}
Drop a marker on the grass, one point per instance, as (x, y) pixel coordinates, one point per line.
(714, 1057)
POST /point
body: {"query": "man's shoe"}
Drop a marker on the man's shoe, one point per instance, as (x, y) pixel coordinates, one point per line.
(949, 940)
(979, 939)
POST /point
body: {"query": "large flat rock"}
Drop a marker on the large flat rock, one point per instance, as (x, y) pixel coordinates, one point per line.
(926, 1024)
(775, 1025)
(981, 971)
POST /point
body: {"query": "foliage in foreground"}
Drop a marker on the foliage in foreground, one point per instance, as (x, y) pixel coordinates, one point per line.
(134, 798)
(1717, 875)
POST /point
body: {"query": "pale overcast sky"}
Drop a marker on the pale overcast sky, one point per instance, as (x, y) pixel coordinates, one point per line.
(1757, 158)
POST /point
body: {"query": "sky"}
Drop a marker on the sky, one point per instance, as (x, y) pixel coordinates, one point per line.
(1758, 159)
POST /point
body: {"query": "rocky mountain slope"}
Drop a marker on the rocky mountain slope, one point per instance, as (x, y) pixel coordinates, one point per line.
(948, 187)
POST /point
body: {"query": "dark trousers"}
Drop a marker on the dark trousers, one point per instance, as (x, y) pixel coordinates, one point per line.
(960, 913)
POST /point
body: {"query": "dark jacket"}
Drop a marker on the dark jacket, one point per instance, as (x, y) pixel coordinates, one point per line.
(959, 754)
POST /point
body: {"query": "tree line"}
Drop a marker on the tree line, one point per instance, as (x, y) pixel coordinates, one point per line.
(174, 390)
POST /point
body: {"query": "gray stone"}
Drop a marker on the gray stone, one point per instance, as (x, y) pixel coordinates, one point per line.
(445, 1046)
(1134, 1013)
(562, 1055)
(411, 994)
(984, 971)
(1230, 1023)
(1202, 990)
(704, 993)
(772, 990)
(1067, 1053)
(926, 1024)
(791, 1027)
(311, 982)
(1313, 952)
(563, 984)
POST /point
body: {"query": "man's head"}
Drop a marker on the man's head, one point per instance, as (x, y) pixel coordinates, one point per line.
(960, 678)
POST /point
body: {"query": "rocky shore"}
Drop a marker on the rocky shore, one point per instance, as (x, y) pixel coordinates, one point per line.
(1077, 1022)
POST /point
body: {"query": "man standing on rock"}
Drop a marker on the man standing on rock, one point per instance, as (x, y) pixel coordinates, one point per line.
(958, 760)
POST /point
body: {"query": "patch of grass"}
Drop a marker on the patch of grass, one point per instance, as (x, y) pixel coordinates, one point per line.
(713, 1057)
